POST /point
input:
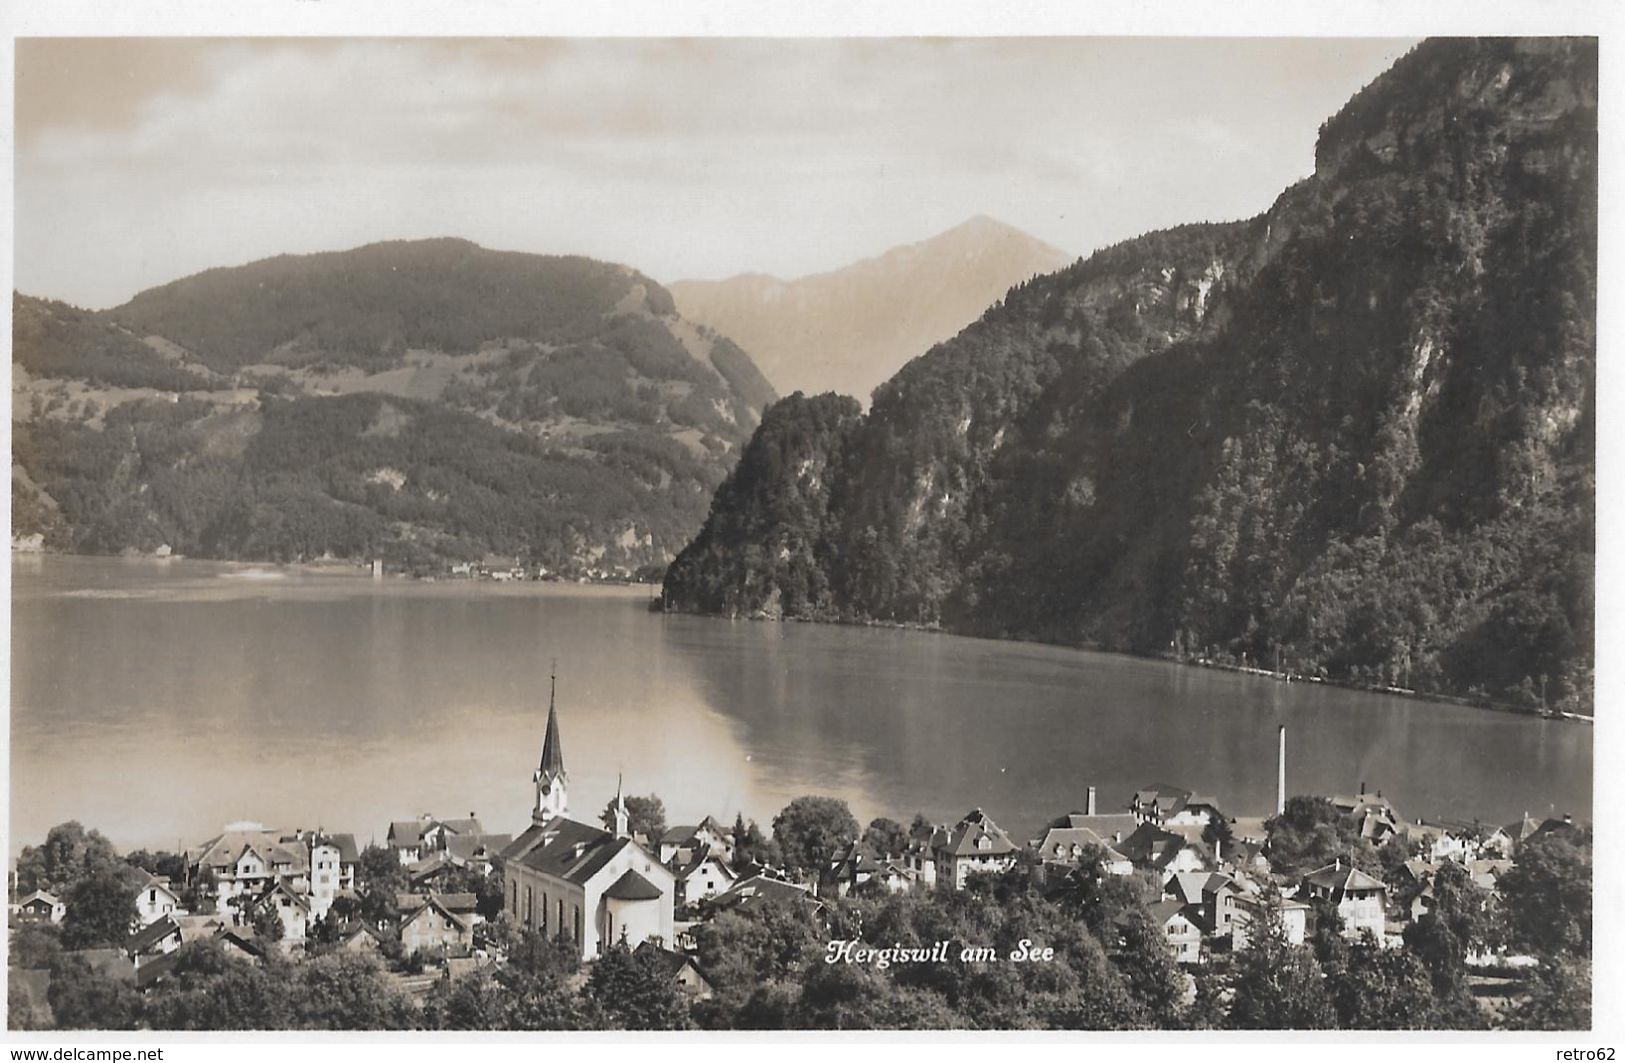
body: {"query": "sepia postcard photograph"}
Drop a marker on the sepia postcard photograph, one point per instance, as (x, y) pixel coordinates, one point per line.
(691, 533)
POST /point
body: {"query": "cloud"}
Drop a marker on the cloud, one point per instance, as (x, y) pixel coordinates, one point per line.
(681, 157)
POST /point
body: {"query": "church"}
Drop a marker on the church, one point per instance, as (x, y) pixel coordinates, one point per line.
(570, 879)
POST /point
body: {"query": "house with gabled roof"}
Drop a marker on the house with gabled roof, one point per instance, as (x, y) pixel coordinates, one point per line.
(155, 899)
(161, 936)
(39, 907)
(1181, 926)
(701, 875)
(1166, 852)
(1067, 838)
(1170, 806)
(759, 889)
(244, 857)
(437, 926)
(680, 968)
(1360, 899)
(974, 844)
(292, 907)
(566, 878)
(706, 836)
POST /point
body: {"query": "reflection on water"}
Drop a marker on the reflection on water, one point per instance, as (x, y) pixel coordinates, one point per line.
(159, 700)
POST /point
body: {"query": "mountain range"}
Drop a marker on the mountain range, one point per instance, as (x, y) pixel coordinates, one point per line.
(1352, 437)
(418, 401)
(852, 328)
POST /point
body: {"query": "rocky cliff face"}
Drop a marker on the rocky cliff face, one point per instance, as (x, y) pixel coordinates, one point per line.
(1354, 434)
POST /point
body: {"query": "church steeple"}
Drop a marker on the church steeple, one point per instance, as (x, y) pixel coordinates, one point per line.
(550, 778)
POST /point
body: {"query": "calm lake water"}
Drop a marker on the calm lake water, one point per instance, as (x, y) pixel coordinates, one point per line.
(158, 700)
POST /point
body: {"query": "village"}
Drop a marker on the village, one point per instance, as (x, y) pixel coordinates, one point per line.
(256, 891)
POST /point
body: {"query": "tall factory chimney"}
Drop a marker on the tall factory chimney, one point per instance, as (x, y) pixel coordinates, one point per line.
(1090, 806)
(1280, 774)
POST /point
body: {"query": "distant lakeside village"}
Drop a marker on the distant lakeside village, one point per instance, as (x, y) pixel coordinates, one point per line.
(443, 902)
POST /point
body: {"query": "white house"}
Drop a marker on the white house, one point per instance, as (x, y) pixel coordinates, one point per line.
(1360, 899)
(974, 844)
(156, 899)
(1248, 911)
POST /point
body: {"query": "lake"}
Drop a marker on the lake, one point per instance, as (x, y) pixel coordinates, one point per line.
(158, 700)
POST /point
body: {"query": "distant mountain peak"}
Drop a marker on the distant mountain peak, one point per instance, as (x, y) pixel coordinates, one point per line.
(848, 329)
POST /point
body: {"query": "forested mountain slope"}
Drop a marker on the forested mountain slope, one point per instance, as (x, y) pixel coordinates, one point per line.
(419, 401)
(1354, 434)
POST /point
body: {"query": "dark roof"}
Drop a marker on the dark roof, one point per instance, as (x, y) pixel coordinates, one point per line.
(530, 838)
(470, 847)
(758, 888)
(240, 937)
(552, 763)
(967, 833)
(1058, 841)
(41, 895)
(633, 887)
(405, 833)
(1162, 912)
(457, 902)
(573, 851)
(345, 843)
(682, 866)
(1339, 878)
(154, 969)
(1153, 845)
(468, 826)
(151, 934)
(459, 916)
(678, 835)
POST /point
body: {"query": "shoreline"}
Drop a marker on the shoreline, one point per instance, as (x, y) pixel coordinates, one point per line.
(1483, 704)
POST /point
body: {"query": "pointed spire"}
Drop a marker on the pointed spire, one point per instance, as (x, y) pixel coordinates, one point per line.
(552, 764)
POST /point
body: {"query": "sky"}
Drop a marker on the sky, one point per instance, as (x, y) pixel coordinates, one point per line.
(138, 161)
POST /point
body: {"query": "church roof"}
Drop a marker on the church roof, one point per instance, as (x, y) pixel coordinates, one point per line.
(571, 850)
(633, 887)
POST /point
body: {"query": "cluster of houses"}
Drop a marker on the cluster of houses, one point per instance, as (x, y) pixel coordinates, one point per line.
(598, 885)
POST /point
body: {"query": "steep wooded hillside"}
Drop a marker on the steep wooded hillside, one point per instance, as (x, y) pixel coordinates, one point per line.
(1354, 435)
(419, 401)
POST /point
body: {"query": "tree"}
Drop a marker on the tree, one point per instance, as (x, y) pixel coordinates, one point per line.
(1558, 997)
(34, 946)
(644, 815)
(1547, 896)
(83, 999)
(809, 830)
(346, 991)
(753, 850)
(636, 989)
(163, 864)
(1277, 985)
(268, 927)
(886, 837)
(1377, 988)
(208, 990)
(101, 910)
(69, 854)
